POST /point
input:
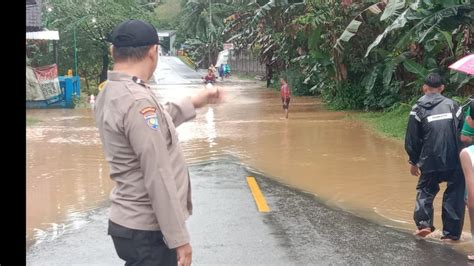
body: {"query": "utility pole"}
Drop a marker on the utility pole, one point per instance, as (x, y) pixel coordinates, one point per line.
(209, 32)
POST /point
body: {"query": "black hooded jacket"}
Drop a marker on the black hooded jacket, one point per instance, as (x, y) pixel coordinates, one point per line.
(432, 137)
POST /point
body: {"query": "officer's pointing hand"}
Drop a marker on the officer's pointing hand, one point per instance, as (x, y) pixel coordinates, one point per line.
(184, 255)
(210, 95)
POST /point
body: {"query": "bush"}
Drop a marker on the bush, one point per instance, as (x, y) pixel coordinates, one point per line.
(380, 98)
(392, 122)
(343, 96)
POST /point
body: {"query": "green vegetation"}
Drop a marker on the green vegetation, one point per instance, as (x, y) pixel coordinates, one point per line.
(93, 21)
(201, 27)
(358, 55)
(167, 12)
(391, 123)
(364, 55)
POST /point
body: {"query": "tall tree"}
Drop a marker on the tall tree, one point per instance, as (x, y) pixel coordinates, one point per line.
(93, 20)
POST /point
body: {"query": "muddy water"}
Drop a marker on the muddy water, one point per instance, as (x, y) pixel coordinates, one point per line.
(316, 150)
(66, 172)
(319, 151)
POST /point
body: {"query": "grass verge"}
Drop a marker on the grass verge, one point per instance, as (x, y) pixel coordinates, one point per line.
(391, 123)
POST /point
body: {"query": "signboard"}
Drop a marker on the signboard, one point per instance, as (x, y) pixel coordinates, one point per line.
(43, 35)
(43, 84)
(222, 58)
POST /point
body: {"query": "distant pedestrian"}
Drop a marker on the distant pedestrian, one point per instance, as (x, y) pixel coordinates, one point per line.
(213, 69)
(221, 72)
(285, 93)
(210, 77)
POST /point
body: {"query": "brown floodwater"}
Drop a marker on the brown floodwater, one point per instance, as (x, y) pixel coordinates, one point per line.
(66, 171)
(319, 151)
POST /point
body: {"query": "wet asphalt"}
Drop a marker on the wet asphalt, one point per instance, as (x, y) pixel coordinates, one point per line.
(227, 229)
(171, 70)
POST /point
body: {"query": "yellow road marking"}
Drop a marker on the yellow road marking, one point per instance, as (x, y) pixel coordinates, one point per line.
(257, 195)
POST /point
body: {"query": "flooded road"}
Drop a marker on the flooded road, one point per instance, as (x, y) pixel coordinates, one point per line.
(66, 172)
(316, 150)
(319, 151)
(226, 229)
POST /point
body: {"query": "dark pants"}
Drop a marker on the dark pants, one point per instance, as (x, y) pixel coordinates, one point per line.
(285, 102)
(453, 202)
(139, 247)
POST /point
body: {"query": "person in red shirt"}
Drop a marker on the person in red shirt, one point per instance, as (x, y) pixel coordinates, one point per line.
(285, 95)
(210, 77)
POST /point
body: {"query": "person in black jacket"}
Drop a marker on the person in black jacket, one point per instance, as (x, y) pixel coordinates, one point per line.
(433, 146)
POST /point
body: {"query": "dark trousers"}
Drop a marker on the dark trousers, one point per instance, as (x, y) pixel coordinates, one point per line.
(453, 202)
(139, 247)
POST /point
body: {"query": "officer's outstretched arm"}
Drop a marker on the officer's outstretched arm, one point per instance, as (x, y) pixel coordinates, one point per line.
(181, 111)
(142, 126)
(184, 110)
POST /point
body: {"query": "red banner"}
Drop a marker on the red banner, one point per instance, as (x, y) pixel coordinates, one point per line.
(49, 72)
(47, 77)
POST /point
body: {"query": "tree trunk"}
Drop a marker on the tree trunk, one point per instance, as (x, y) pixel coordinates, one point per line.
(87, 84)
(105, 64)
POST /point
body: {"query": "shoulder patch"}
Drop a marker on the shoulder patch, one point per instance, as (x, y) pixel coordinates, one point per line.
(150, 116)
(147, 110)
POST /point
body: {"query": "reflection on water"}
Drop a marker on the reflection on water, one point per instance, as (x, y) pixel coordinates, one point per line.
(210, 127)
(316, 150)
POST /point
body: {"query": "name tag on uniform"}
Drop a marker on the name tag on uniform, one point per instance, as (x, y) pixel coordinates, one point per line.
(432, 118)
(150, 116)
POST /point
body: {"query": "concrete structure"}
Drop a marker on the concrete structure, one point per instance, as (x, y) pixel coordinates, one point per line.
(167, 38)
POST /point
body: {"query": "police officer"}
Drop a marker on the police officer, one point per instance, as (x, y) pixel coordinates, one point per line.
(152, 197)
(432, 143)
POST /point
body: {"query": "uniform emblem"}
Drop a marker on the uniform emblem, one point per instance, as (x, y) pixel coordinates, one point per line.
(150, 116)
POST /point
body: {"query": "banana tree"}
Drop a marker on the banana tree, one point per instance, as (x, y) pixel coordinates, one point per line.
(262, 26)
(425, 36)
(437, 34)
